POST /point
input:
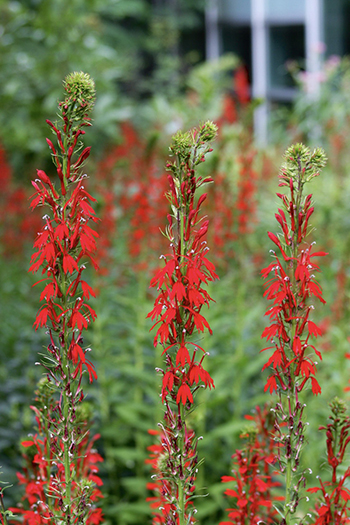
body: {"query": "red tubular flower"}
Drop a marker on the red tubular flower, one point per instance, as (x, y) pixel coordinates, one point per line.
(177, 313)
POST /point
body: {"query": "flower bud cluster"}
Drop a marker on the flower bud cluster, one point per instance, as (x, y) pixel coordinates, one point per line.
(79, 100)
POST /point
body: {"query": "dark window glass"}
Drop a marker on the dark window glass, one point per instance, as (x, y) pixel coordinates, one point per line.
(286, 43)
(237, 39)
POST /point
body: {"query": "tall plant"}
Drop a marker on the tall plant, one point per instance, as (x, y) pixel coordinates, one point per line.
(177, 310)
(60, 477)
(292, 288)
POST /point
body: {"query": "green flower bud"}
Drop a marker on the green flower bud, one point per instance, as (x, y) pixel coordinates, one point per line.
(181, 144)
(338, 408)
(80, 96)
(208, 131)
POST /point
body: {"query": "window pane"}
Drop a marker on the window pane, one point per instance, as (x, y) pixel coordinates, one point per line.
(285, 11)
(235, 11)
(286, 43)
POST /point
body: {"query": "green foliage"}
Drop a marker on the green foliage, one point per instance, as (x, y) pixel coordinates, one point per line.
(18, 373)
(120, 44)
(41, 42)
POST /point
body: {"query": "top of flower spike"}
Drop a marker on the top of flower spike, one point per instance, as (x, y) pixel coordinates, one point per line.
(338, 408)
(299, 160)
(80, 95)
(182, 143)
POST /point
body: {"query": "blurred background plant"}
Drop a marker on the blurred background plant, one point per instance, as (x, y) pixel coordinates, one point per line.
(146, 91)
(132, 48)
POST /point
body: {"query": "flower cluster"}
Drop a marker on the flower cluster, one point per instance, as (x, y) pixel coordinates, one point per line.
(291, 288)
(253, 471)
(63, 487)
(66, 240)
(186, 270)
(293, 283)
(334, 505)
(177, 308)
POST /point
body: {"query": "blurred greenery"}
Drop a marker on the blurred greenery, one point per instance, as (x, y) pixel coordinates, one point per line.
(41, 41)
(131, 48)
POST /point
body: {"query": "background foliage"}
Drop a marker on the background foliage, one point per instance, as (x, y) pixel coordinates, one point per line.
(132, 49)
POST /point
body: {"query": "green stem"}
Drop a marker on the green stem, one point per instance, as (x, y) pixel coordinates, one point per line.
(181, 503)
(289, 472)
(182, 213)
(66, 370)
(287, 495)
(67, 464)
(66, 404)
(2, 509)
(48, 458)
(181, 492)
(289, 408)
(66, 401)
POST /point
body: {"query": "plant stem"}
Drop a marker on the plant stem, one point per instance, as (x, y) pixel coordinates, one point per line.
(290, 409)
(2, 509)
(66, 403)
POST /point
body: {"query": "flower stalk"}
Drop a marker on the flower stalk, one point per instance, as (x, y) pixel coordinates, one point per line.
(291, 289)
(177, 311)
(64, 247)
